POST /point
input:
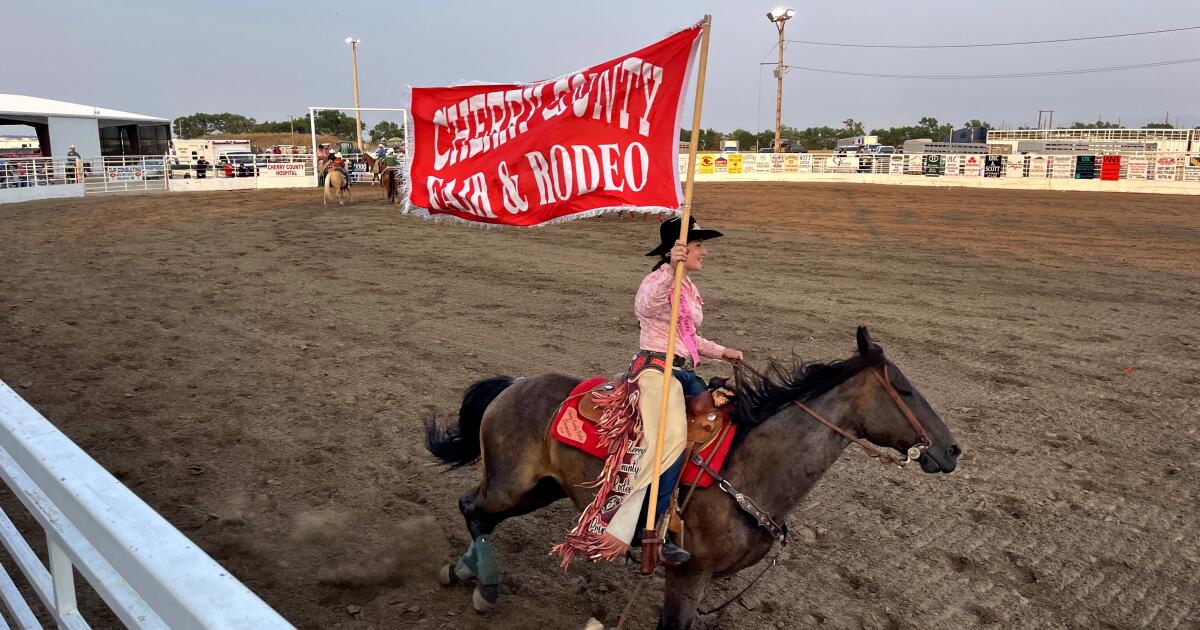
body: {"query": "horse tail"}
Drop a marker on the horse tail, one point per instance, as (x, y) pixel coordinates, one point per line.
(458, 445)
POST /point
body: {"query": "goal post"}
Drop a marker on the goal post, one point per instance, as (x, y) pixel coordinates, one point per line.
(312, 124)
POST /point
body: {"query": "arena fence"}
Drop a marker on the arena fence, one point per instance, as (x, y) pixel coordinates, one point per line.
(1129, 172)
(145, 570)
(124, 173)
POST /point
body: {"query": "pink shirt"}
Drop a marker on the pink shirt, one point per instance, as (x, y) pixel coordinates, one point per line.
(653, 308)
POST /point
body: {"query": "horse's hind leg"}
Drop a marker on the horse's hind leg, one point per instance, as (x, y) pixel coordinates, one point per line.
(515, 483)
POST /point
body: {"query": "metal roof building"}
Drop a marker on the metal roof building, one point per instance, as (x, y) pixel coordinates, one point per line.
(95, 131)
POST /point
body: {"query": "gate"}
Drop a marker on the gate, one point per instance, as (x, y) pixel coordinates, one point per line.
(128, 173)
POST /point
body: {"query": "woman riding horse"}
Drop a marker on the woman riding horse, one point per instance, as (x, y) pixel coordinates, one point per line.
(653, 309)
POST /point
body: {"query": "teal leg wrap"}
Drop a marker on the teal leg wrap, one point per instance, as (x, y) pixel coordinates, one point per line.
(468, 564)
(487, 568)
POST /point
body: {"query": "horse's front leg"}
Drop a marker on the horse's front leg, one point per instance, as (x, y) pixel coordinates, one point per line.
(685, 587)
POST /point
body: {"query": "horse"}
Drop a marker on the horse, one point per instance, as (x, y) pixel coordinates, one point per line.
(779, 454)
(335, 182)
(390, 180)
(375, 165)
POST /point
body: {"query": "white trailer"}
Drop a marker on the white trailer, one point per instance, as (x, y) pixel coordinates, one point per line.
(188, 151)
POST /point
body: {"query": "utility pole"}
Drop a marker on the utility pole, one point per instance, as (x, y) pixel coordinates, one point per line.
(780, 17)
(357, 115)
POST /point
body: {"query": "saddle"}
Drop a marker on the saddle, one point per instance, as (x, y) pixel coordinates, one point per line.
(706, 412)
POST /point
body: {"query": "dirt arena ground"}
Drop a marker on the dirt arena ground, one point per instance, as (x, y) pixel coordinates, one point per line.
(256, 367)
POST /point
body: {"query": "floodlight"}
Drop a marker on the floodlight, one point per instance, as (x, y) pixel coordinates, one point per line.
(780, 14)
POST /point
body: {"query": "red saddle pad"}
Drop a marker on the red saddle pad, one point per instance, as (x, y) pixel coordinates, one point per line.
(574, 430)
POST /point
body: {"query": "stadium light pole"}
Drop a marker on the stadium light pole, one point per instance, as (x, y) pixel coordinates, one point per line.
(779, 16)
(357, 119)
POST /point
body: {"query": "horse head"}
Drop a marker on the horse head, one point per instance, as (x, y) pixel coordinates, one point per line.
(892, 412)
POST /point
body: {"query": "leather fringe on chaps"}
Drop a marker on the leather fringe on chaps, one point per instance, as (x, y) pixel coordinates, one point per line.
(620, 431)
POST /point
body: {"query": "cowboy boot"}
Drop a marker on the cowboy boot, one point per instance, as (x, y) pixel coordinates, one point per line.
(674, 555)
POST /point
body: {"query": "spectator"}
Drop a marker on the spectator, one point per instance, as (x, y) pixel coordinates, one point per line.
(201, 167)
(74, 164)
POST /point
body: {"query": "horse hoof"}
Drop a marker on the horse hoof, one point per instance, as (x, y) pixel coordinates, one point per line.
(447, 576)
(483, 598)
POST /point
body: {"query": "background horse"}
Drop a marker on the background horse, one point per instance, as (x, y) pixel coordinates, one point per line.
(390, 180)
(335, 182)
(375, 165)
(779, 455)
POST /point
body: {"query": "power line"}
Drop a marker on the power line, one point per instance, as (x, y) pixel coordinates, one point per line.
(1037, 41)
(1014, 75)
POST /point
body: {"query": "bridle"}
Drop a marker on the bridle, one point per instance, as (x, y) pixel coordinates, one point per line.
(778, 530)
(914, 452)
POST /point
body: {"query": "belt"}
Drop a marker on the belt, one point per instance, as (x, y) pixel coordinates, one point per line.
(647, 358)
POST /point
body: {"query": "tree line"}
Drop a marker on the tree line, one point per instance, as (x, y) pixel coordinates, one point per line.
(826, 137)
(330, 122)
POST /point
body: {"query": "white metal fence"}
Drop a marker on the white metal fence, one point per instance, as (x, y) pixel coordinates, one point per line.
(31, 172)
(1158, 166)
(242, 165)
(127, 173)
(144, 569)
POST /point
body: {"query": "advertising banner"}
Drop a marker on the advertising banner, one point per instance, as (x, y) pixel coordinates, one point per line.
(952, 164)
(1166, 166)
(842, 164)
(1110, 168)
(1137, 167)
(1039, 167)
(707, 162)
(1015, 167)
(1085, 167)
(972, 165)
(933, 165)
(993, 166)
(124, 173)
(735, 163)
(804, 163)
(1191, 170)
(295, 169)
(896, 165)
(1062, 166)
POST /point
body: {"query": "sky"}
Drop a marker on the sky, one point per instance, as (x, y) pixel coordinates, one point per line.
(270, 60)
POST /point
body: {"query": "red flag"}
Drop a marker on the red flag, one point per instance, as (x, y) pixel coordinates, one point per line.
(600, 139)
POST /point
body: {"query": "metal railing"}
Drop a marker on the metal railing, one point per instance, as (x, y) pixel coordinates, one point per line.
(124, 173)
(241, 165)
(1148, 166)
(26, 172)
(145, 570)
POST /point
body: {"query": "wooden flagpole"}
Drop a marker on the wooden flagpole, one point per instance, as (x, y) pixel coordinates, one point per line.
(650, 538)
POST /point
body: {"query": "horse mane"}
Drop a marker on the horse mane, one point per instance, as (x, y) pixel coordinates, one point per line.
(760, 395)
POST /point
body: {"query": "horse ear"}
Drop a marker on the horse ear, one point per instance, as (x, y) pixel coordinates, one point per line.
(864, 341)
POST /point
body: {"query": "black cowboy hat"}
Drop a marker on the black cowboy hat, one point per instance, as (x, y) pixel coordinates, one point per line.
(669, 232)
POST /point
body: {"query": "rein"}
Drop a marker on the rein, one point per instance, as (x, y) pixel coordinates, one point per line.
(914, 452)
(764, 520)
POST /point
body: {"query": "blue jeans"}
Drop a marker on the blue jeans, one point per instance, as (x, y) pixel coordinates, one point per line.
(693, 385)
